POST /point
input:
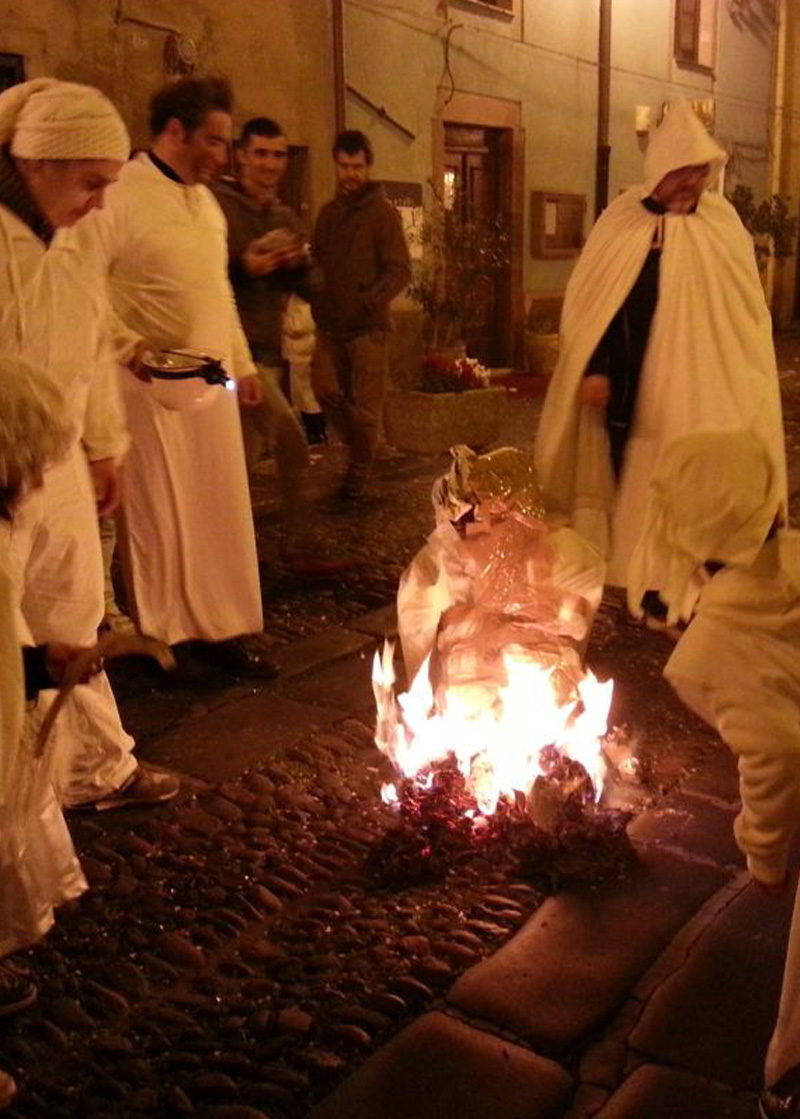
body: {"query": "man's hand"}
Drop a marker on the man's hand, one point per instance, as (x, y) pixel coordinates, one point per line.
(250, 391)
(58, 657)
(107, 480)
(595, 390)
(258, 262)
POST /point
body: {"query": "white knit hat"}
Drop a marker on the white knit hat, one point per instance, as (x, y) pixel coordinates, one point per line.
(49, 119)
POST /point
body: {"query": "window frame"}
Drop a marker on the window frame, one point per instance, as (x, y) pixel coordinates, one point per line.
(706, 13)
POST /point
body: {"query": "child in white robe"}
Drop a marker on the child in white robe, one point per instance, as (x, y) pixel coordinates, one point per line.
(714, 523)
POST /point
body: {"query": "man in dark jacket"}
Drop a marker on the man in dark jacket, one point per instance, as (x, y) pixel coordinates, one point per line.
(361, 253)
(267, 259)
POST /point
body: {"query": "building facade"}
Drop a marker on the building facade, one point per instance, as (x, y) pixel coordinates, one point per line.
(501, 101)
(511, 89)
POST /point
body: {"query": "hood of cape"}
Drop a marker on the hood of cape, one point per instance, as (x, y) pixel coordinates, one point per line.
(681, 140)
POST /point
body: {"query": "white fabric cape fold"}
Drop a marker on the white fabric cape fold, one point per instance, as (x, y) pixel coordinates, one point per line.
(709, 363)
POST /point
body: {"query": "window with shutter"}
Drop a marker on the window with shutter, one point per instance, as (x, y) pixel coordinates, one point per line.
(695, 32)
(687, 27)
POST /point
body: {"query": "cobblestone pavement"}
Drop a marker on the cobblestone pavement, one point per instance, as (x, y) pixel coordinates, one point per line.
(242, 954)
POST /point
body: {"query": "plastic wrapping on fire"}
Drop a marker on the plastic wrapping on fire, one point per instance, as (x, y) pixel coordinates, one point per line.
(493, 616)
(536, 580)
(491, 484)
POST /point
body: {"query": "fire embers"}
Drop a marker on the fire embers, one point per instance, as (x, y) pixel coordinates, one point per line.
(555, 835)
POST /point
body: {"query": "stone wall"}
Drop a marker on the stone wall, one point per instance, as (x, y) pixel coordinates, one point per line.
(277, 53)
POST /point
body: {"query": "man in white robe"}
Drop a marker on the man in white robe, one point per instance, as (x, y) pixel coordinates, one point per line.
(713, 526)
(61, 144)
(188, 537)
(665, 330)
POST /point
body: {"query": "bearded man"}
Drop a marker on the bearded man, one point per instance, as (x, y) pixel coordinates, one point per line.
(161, 239)
(665, 331)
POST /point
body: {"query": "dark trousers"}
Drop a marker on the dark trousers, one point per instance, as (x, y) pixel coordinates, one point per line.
(349, 380)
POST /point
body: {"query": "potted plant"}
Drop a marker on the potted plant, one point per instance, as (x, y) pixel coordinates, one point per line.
(455, 403)
(769, 222)
(461, 253)
(541, 340)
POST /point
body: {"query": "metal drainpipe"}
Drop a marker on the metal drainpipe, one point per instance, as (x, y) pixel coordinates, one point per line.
(773, 277)
(337, 14)
(603, 101)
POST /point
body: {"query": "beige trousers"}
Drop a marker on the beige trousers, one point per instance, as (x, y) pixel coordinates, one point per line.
(273, 425)
(349, 379)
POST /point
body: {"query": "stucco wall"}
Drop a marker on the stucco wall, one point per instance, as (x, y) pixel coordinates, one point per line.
(277, 54)
(546, 59)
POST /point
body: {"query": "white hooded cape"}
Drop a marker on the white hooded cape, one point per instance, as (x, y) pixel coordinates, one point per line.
(709, 361)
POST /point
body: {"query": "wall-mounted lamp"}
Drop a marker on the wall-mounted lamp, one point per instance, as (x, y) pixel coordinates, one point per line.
(644, 119)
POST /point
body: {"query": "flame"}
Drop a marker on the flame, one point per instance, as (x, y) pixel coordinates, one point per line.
(496, 730)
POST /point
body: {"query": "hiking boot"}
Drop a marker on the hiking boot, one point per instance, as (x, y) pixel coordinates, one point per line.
(315, 428)
(17, 989)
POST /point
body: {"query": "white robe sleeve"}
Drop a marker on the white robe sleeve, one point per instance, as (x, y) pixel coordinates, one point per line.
(105, 434)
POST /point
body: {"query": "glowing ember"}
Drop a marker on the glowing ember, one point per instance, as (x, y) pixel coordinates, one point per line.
(495, 732)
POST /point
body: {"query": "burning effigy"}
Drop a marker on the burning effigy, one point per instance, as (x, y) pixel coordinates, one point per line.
(500, 718)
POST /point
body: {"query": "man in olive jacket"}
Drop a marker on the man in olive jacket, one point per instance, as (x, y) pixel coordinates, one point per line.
(362, 258)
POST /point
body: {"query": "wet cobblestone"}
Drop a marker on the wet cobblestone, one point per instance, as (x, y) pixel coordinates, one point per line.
(234, 959)
(228, 973)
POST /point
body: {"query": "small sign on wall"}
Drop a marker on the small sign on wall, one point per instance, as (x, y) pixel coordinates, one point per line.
(556, 223)
(407, 197)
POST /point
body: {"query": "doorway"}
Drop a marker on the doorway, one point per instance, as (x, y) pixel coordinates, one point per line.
(478, 162)
(472, 185)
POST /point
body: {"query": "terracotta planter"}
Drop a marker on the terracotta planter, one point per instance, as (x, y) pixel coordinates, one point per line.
(541, 353)
(431, 422)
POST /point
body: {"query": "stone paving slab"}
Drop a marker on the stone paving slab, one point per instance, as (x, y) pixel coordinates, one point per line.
(660, 1093)
(346, 684)
(379, 623)
(323, 648)
(727, 990)
(718, 777)
(229, 740)
(699, 827)
(441, 1068)
(574, 961)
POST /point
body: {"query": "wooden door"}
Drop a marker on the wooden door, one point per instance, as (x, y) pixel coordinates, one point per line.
(473, 173)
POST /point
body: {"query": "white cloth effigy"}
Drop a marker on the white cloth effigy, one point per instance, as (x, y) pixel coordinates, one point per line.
(709, 362)
(188, 519)
(38, 867)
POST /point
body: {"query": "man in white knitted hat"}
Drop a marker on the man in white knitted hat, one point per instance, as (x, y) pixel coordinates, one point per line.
(665, 330)
(61, 145)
